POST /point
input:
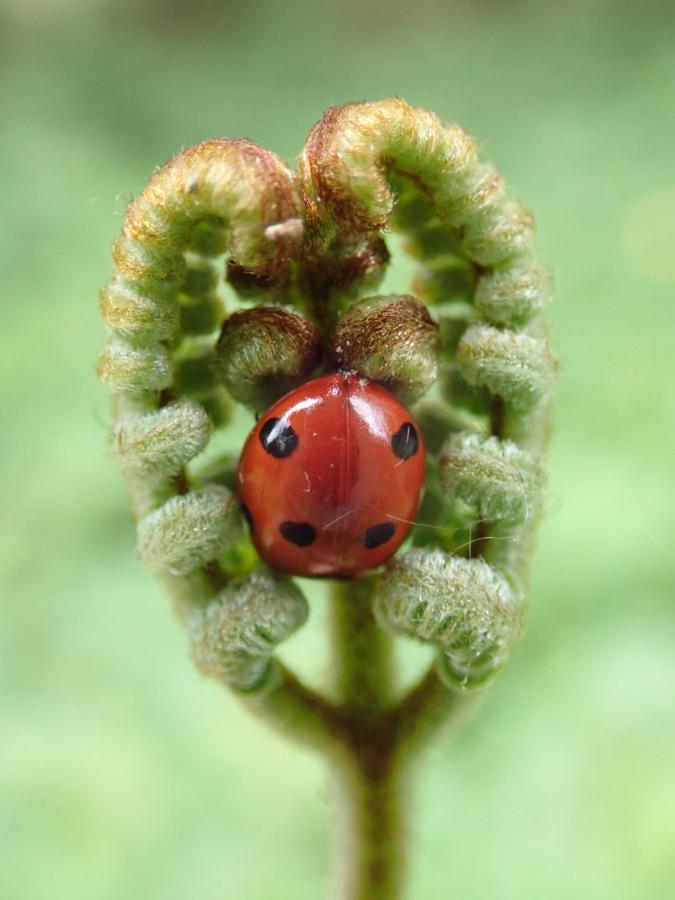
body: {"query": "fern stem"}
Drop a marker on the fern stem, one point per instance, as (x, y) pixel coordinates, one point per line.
(371, 849)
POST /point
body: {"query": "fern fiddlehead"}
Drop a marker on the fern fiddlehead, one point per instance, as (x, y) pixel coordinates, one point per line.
(305, 254)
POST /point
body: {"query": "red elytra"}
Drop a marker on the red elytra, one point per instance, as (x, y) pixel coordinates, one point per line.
(330, 477)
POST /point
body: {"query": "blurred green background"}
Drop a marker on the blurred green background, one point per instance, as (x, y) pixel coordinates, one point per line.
(122, 773)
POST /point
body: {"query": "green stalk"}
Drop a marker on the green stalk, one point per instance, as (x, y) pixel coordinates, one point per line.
(363, 670)
(370, 850)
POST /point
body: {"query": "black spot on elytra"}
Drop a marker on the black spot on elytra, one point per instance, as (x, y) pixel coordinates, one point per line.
(405, 443)
(302, 534)
(278, 438)
(377, 535)
(247, 515)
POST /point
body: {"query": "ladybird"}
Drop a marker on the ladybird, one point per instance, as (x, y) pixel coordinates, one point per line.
(330, 477)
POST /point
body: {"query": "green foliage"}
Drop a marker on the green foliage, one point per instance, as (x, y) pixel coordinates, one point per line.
(188, 530)
(235, 636)
(390, 339)
(460, 606)
(265, 352)
(163, 440)
(134, 372)
(497, 478)
(514, 296)
(514, 366)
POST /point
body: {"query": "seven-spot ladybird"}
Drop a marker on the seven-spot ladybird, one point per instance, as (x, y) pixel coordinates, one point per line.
(330, 477)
